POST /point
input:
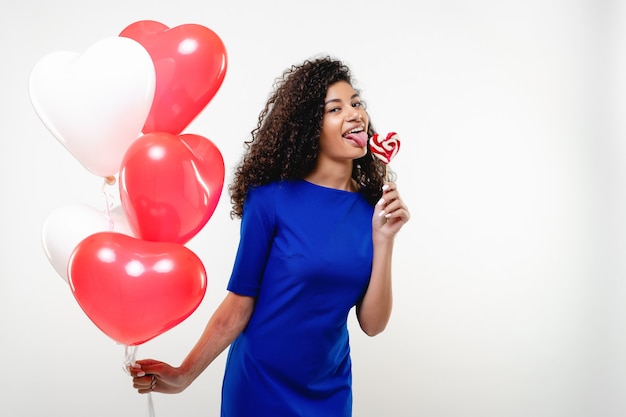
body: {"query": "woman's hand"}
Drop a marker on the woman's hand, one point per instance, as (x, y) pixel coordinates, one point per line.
(155, 376)
(390, 213)
(230, 318)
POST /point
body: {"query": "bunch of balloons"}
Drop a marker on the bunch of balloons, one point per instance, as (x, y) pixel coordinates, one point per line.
(119, 108)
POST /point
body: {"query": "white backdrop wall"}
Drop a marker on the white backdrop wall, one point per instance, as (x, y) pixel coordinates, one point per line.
(509, 284)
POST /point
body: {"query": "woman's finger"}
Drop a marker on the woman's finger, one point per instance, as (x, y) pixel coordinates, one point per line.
(145, 383)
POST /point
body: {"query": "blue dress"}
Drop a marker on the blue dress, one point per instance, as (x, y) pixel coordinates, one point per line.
(306, 255)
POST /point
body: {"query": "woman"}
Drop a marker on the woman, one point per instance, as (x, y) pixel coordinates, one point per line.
(318, 223)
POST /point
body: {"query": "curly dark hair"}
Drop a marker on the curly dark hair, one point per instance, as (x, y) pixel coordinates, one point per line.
(285, 143)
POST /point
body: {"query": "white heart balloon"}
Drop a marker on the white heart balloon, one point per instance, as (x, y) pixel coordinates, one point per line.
(96, 103)
(67, 226)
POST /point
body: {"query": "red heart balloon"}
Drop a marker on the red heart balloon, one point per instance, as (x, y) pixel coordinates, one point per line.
(170, 185)
(134, 290)
(190, 62)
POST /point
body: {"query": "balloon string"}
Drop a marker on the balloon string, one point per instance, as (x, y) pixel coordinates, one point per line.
(108, 201)
(150, 412)
(130, 354)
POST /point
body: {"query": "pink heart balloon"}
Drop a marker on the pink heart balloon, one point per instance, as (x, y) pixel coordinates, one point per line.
(170, 185)
(134, 290)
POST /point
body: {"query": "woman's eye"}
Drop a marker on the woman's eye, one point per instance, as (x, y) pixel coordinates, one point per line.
(357, 104)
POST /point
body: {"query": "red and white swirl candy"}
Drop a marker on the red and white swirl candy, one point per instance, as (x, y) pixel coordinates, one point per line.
(385, 149)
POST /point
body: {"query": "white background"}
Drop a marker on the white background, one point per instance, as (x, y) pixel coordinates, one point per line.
(509, 279)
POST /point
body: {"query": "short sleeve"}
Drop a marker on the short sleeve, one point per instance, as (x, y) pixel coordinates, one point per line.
(257, 231)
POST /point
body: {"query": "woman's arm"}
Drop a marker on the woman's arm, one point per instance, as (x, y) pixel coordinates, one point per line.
(230, 318)
(374, 310)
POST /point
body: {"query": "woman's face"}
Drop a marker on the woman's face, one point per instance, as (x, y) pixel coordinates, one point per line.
(344, 125)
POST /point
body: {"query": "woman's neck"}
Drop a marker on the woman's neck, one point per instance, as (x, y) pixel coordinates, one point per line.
(339, 177)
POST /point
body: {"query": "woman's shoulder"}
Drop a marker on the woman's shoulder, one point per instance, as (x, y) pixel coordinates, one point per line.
(275, 186)
(277, 193)
(300, 190)
(268, 192)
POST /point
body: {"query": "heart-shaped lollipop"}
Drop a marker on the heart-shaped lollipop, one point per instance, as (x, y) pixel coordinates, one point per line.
(385, 149)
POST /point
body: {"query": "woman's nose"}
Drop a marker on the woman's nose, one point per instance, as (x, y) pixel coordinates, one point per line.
(355, 116)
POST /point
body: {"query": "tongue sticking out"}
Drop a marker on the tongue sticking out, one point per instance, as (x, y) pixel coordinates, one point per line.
(359, 138)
